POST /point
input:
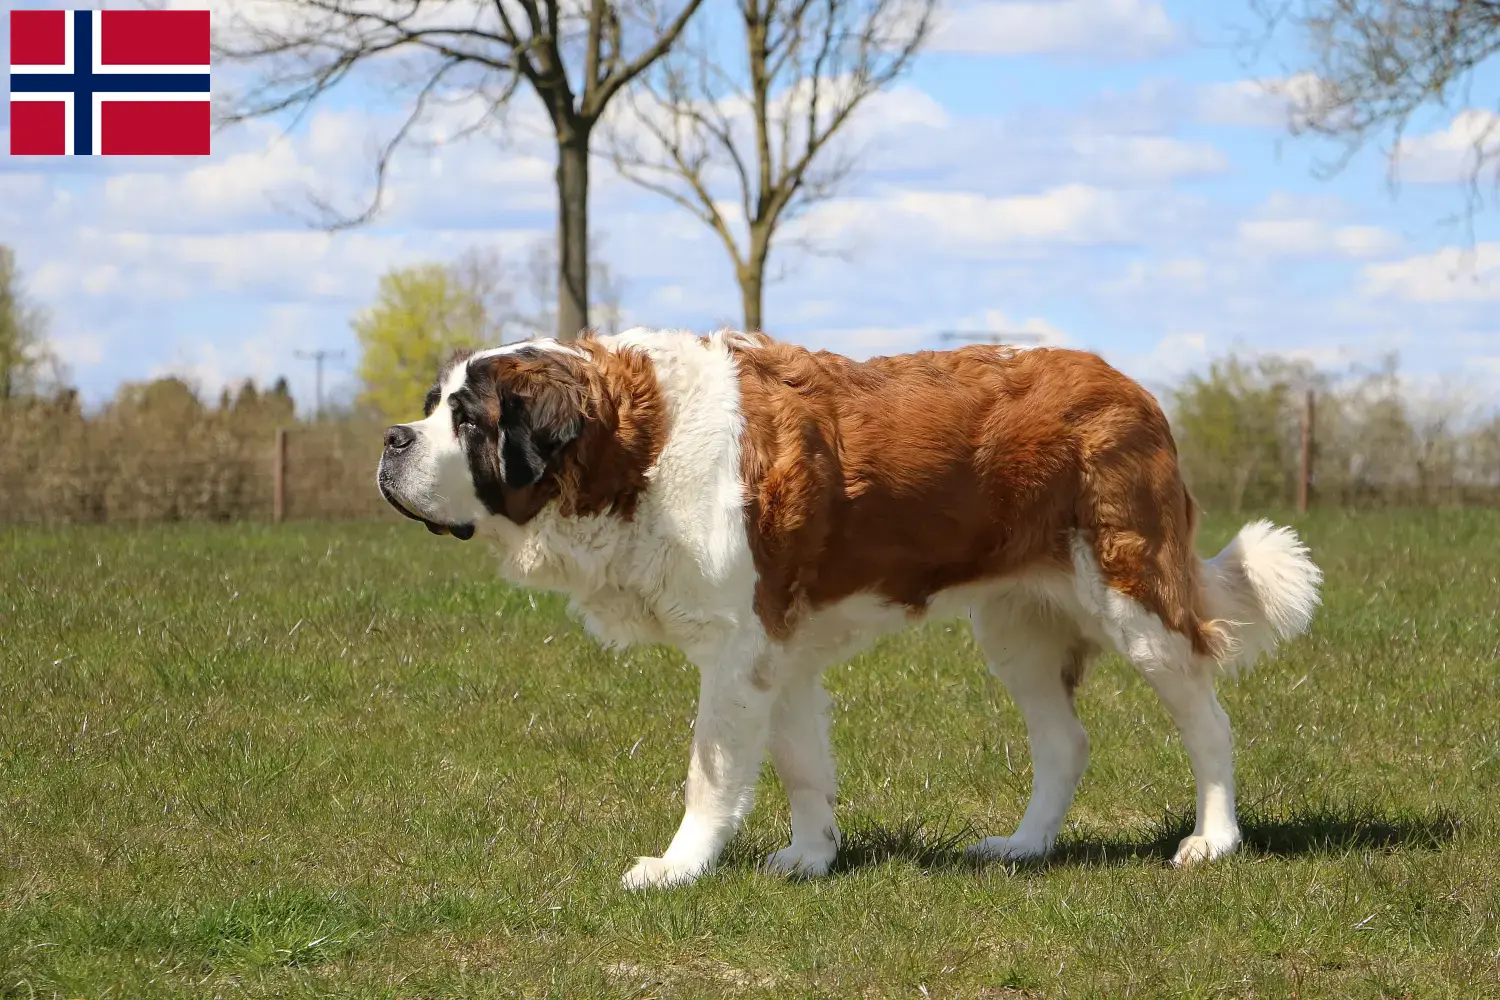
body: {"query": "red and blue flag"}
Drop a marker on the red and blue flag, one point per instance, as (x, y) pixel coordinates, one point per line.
(110, 82)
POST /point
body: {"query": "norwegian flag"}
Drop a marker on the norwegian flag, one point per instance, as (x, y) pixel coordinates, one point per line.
(111, 82)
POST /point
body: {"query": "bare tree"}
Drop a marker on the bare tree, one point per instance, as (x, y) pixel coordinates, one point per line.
(576, 55)
(745, 142)
(1374, 64)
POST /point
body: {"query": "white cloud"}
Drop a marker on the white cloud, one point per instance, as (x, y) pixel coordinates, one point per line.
(965, 224)
(20, 194)
(95, 267)
(1150, 157)
(239, 188)
(287, 265)
(1072, 214)
(867, 342)
(1027, 149)
(1471, 139)
(261, 354)
(905, 105)
(1310, 237)
(863, 342)
(1365, 241)
(1183, 274)
(1185, 270)
(1171, 358)
(1271, 103)
(1449, 275)
(1045, 333)
(207, 367)
(260, 178)
(1119, 29)
(141, 231)
(79, 349)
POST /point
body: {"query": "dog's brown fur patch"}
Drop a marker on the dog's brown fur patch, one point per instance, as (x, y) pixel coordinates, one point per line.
(903, 476)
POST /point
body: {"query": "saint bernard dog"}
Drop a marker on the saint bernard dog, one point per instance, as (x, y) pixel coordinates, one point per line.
(770, 511)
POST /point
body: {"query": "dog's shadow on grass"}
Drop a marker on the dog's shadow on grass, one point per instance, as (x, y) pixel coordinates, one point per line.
(1295, 833)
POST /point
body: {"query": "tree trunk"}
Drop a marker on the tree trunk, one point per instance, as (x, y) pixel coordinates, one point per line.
(751, 295)
(572, 232)
(752, 278)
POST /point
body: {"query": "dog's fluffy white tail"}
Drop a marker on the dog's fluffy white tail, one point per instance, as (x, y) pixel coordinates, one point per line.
(1262, 589)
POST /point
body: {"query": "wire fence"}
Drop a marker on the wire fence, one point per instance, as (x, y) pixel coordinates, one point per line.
(182, 463)
(1266, 433)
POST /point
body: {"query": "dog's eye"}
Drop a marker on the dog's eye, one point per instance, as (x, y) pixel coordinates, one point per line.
(461, 419)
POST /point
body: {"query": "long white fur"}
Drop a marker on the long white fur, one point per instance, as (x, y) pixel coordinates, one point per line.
(681, 572)
(1264, 586)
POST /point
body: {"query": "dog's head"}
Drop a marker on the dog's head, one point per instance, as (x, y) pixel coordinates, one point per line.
(508, 430)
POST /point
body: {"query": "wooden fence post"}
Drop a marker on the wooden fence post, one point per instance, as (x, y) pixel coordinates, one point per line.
(1304, 473)
(278, 498)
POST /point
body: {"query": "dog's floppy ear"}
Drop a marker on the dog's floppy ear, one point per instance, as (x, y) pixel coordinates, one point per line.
(543, 403)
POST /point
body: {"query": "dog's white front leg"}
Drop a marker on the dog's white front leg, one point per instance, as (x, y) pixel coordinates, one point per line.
(729, 742)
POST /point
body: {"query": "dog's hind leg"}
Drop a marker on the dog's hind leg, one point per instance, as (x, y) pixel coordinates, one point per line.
(1041, 657)
(1184, 680)
(1188, 693)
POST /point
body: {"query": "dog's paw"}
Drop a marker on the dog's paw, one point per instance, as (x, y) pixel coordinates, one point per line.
(1005, 849)
(660, 873)
(1197, 849)
(802, 863)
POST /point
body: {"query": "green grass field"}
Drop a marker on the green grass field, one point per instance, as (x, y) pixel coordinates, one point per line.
(343, 760)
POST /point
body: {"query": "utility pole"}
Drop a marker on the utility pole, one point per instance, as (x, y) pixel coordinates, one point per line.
(318, 357)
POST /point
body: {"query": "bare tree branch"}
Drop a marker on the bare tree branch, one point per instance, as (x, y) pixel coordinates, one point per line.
(596, 40)
(625, 72)
(575, 56)
(767, 131)
(336, 221)
(1376, 64)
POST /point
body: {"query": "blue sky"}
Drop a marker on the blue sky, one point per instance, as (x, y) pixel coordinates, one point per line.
(1105, 173)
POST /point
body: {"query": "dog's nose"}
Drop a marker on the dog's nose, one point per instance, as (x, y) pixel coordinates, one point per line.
(399, 437)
